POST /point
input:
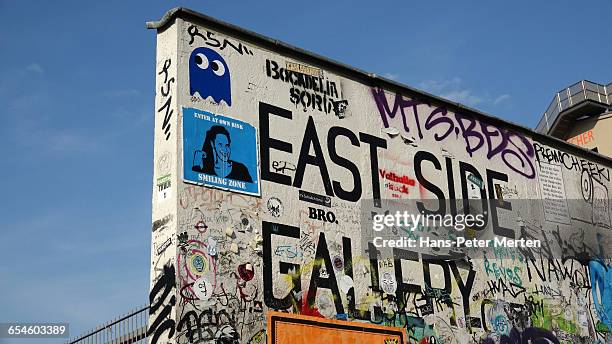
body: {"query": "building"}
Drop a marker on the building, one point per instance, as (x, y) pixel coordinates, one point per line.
(582, 115)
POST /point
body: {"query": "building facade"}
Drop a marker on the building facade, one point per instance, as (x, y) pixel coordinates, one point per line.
(582, 115)
(594, 133)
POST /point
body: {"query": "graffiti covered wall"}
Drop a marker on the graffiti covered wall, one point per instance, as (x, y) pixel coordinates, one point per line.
(263, 161)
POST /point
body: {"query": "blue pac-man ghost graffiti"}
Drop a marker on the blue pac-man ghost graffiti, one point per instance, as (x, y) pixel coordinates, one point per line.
(209, 75)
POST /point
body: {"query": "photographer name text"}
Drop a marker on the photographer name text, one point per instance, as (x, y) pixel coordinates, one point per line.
(459, 242)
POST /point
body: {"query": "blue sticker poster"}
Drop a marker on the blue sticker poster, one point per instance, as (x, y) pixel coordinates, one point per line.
(219, 151)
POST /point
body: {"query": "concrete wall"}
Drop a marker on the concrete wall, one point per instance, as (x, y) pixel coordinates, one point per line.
(222, 259)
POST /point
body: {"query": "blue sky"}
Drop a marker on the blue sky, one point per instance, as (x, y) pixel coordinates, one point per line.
(76, 110)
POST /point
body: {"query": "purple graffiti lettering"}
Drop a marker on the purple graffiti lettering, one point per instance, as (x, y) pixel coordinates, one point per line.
(514, 149)
(399, 103)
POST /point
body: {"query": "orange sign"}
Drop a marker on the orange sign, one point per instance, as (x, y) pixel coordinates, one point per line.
(285, 328)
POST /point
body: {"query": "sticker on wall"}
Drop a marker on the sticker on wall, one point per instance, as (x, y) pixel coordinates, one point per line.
(314, 198)
(161, 248)
(388, 283)
(246, 271)
(202, 288)
(212, 246)
(553, 193)
(220, 152)
(209, 75)
(345, 283)
(304, 69)
(338, 263)
(275, 206)
(163, 187)
(198, 265)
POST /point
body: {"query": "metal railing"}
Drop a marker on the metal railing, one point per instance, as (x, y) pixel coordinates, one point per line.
(573, 95)
(127, 329)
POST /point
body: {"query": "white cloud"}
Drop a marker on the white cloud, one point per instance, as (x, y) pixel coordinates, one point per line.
(121, 93)
(391, 76)
(34, 68)
(455, 90)
(500, 99)
(16, 76)
(36, 119)
(69, 142)
(436, 86)
(26, 102)
(33, 127)
(462, 96)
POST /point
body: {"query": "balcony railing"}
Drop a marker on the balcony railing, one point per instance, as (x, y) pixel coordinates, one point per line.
(128, 329)
(571, 96)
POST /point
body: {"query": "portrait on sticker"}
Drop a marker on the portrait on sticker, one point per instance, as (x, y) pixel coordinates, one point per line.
(219, 151)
